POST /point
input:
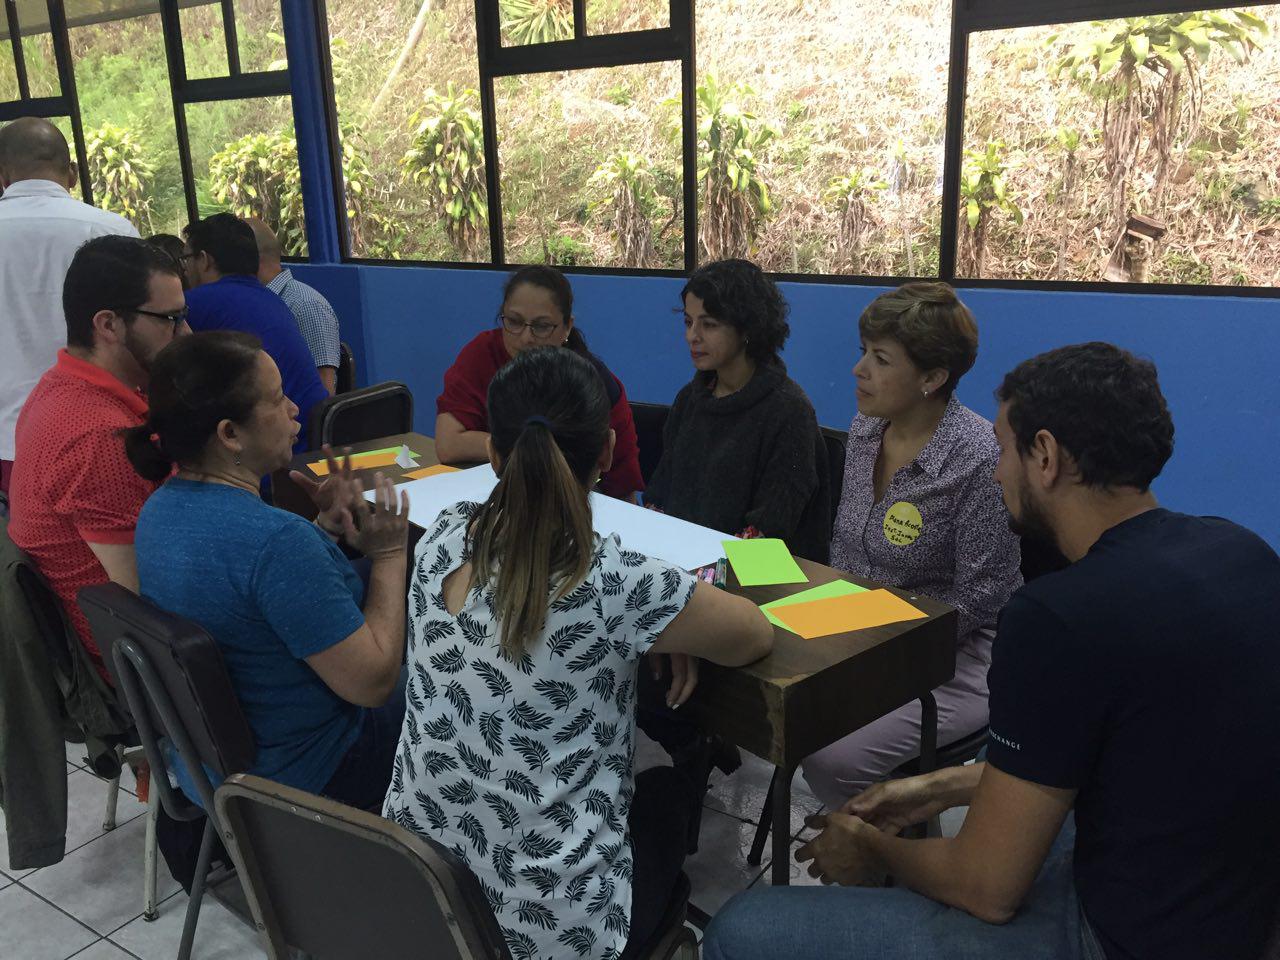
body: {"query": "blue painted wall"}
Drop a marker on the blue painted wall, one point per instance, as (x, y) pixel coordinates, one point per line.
(1216, 356)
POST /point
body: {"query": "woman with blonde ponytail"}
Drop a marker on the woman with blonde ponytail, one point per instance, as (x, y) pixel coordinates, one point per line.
(526, 631)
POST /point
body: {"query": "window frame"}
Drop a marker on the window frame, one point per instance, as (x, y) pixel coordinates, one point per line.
(586, 51)
(66, 103)
(237, 85)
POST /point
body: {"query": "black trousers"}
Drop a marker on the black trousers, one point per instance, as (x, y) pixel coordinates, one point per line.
(662, 812)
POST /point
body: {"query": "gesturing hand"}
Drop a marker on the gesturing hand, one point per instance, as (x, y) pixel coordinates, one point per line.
(383, 530)
(337, 494)
(840, 853)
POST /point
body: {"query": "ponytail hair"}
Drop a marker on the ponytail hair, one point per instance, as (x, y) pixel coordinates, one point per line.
(196, 382)
(533, 538)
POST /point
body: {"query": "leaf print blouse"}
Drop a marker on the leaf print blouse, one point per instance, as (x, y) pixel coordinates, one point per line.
(523, 768)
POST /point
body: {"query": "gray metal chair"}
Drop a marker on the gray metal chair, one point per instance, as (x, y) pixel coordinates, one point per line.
(174, 680)
(382, 410)
(330, 880)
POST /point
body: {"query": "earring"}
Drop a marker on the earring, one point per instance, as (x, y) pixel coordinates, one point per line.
(237, 461)
(925, 391)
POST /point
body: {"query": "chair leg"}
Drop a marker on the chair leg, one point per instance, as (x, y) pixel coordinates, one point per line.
(197, 890)
(762, 828)
(113, 796)
(149, 860)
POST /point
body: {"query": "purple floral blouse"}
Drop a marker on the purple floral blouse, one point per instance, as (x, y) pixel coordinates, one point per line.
(941, 528)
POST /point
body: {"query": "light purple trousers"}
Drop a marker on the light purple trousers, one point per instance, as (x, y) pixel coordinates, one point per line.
(869, 755)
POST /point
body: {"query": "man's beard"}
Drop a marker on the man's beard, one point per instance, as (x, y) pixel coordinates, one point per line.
(138, 350)
(1032, 523)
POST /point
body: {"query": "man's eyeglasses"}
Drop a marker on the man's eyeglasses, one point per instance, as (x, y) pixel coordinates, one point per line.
(177, 318)
(541, 329)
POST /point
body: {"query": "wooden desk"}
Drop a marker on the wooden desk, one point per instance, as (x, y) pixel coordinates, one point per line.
(805, 695)
(287, 495)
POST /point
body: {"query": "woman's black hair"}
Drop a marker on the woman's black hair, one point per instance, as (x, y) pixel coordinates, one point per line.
(549, 422)
(738, 293)
(196, 382)
(556, 284)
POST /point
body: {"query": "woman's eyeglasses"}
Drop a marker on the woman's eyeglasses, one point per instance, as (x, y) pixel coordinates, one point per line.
(541, 329)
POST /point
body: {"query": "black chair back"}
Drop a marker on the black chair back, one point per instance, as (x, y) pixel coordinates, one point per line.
(381, 410)
(835, 441)
(176, 685)
(649, 418)
(289, 846)
(345, 379)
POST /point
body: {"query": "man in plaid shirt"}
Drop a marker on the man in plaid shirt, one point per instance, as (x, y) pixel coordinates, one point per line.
(316, 319)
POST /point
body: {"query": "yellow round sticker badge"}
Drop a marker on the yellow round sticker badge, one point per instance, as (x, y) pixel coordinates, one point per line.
(903, 524)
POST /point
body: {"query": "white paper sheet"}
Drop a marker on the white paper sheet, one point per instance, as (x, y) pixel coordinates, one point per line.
(678, 542)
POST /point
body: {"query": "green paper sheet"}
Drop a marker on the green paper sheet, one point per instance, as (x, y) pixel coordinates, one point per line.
(763, 562)
(837, 588)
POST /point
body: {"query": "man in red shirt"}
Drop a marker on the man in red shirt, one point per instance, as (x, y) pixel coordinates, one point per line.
(75, 496)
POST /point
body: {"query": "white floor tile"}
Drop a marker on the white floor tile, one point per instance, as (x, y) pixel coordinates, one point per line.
(719, 869)
(33, 930)
(76, 755)
(5, 880)
(741, 794)
(220, 934)
(101, 883)
(102, 950)
(87, 804)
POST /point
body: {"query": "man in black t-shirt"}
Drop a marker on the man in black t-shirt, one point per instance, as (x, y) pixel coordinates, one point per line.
(1138, 686)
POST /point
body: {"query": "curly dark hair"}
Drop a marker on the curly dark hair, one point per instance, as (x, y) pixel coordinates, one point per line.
(1102, 404)
(738, 293)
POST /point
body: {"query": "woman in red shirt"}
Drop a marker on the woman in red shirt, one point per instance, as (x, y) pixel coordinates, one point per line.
(537, 311)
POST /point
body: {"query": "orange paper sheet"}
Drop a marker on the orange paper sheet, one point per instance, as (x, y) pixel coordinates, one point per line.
(360, 461)
(855, 611)
(431, 471)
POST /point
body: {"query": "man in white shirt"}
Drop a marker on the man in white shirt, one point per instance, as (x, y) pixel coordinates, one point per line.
(41, 227)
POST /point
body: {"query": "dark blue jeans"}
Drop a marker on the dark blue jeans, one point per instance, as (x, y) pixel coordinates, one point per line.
(858, 923)
(363, 776)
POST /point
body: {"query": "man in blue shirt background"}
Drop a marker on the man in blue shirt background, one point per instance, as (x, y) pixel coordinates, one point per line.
(222, 263)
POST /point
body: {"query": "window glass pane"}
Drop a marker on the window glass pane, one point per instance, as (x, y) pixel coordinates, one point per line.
(8, 73)
(523, 22)
(245, 159)
(42, 68)
(619, 16)
(591, 169)
(260, 35)
(1139, 149)
(204, 44)
(831, 118)
(122, 80)
(391, 114)
(64, 125)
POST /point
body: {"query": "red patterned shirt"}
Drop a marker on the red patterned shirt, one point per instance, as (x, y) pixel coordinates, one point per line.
(72, 484)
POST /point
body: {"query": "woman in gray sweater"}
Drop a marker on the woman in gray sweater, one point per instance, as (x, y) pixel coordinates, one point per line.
(741, 448)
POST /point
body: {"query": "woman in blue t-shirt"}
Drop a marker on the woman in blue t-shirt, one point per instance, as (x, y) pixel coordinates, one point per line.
(314, 659)
(525, 636)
